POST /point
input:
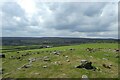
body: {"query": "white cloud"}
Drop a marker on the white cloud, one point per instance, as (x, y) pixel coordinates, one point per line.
(66, 19)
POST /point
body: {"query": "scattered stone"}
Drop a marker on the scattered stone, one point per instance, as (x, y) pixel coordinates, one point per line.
(71, 49)
(66, 56)
(57, 53)
(84, 76)
(12, 57)
(57, 63)
(117, 50)
(32, 59)
(18, 68)
(18, 57)
(46, 59)
(2, 55)
(44, 66)
(104, 58)
(83, 61)
(26, 66)
(37, 73)
(106, 55)
(68, 60)
(86, 64)
(110, 65)
(89, 49)
(2, 71)
(106, 66)
(98, 68)
(91, 56)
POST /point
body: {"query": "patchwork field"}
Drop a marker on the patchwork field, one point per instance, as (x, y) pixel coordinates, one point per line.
(61, 62)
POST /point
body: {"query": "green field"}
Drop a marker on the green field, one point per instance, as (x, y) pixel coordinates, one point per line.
(62, 65)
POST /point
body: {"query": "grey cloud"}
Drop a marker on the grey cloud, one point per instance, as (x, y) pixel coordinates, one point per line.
(61, 19)
(12, 9)
(9, 23)
(82, 17)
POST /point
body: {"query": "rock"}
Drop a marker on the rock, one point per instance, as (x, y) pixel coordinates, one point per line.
(98, 68)
(104, 58)
(66, 56)
(84, 76)
(11, 57)
(106, 66)
(2, 55)
(110, 64)
(32, 60)
(89, 49)
(37, 73)
(71, 49)
(46, 59)
(44, 66)
(26, 66)
(117, 50)
(91, 56)
(57, 63)
(86, 64)
(18, 68)
(68, 60)
(106, 55)
(57, 53)
(18, 57)
(2, 71)
(83, 61)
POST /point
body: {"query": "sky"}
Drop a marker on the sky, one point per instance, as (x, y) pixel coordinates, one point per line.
(32, 18)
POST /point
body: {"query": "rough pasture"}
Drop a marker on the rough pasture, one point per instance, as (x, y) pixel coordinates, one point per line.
(60, 62)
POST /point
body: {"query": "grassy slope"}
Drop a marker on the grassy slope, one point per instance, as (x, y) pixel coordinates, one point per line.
(66, 70)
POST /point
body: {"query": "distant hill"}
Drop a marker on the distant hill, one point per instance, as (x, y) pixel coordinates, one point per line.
(55, 41)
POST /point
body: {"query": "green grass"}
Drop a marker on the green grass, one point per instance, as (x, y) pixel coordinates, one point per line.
(67, 69)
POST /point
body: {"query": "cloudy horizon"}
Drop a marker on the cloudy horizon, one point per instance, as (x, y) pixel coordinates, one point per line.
(60, 19)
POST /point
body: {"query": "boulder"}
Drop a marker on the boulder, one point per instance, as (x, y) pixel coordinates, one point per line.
(86, 64)
(2, 55)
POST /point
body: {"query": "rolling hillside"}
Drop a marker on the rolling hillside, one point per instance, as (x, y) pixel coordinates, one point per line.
(61, 62)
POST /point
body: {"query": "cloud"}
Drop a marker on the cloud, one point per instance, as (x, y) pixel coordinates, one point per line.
(66, 19)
